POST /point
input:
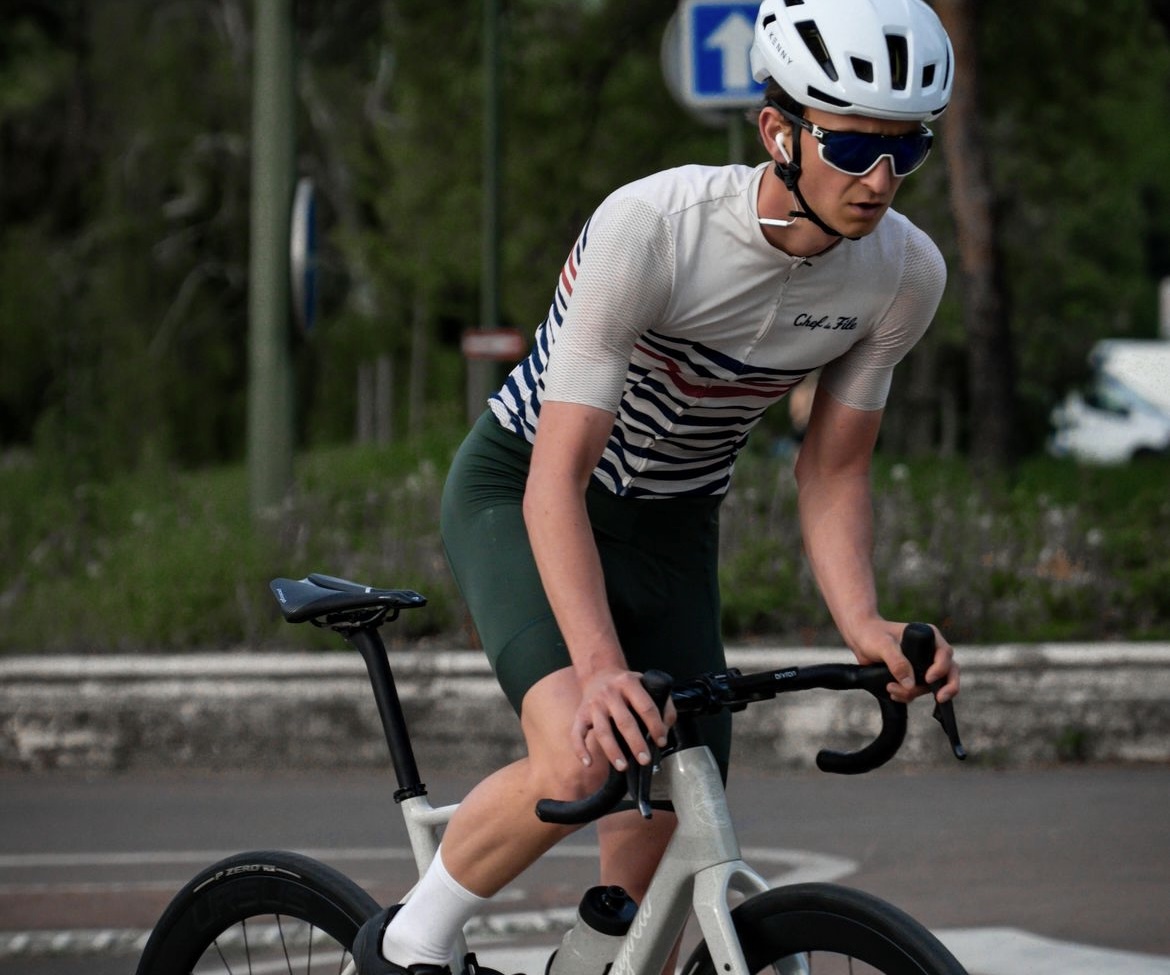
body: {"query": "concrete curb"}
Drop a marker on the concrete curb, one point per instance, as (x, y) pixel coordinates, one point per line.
(1020, 705)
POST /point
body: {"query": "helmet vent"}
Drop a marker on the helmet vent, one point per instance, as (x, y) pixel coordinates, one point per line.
(811, 35)
(899, 61)
(794, 3)
(817, 95)
(928, 76)
(863, 69)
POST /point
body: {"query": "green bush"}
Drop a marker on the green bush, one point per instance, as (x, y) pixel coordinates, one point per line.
(161, 560)
(1056, 551)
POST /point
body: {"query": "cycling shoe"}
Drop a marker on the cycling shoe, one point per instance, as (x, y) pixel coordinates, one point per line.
(471, 966)
(367, 950)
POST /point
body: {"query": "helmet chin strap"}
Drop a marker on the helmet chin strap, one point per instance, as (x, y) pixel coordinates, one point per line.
(789, 174)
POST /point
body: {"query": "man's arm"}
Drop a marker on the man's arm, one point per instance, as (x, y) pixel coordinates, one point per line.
(836, 518)
(569, 441)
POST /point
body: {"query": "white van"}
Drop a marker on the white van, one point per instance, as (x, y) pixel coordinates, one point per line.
(1125, 410)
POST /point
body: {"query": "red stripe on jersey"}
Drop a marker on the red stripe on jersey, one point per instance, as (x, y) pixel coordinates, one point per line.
(569, 274)
(765, 388)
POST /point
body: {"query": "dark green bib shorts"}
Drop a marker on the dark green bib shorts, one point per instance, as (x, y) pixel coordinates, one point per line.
(659, 557)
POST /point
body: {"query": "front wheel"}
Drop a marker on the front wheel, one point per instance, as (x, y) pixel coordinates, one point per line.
(824, 929)
(259, 912)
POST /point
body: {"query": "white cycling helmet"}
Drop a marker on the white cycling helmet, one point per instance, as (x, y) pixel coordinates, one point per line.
(882, 58)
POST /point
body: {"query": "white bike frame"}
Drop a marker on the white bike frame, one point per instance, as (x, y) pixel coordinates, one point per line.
(702, 864)
(700, 868)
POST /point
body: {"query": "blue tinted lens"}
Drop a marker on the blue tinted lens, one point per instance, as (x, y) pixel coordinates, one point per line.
(856, 153)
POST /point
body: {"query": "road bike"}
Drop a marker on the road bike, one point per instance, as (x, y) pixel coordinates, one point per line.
(277, 911)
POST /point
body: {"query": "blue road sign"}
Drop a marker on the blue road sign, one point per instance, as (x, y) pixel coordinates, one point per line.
(716, 53)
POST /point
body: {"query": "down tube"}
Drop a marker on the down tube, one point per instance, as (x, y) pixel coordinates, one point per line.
(702, 859)
(661, 917)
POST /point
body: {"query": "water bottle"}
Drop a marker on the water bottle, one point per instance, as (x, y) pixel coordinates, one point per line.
(592, 943)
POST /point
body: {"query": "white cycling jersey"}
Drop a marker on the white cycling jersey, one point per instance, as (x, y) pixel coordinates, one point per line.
(675, 313)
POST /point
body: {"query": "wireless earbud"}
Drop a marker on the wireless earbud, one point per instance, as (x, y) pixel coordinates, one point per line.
(788, 173)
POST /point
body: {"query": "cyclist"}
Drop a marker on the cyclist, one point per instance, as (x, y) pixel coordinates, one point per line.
(580, 516)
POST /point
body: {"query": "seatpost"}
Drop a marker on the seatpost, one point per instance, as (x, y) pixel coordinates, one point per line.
(369, 644)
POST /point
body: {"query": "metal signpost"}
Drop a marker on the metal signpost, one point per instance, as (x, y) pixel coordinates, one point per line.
(270, 372)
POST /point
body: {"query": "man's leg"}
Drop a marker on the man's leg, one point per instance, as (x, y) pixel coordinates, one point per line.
(495, 835)
(631, 848)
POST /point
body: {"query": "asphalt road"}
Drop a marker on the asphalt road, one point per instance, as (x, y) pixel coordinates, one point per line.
(1064, 869)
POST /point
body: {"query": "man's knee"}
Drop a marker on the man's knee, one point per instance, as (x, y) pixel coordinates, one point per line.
(565, 777)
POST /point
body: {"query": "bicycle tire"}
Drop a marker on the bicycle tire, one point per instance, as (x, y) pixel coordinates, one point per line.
(837, 929)
(269, 910)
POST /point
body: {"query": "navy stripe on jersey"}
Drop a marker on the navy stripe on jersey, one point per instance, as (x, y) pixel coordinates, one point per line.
(517, 403)
(685, 412)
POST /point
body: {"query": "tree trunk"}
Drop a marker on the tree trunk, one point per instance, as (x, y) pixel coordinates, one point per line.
(991, 359)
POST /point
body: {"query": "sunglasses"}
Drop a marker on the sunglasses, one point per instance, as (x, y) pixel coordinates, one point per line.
(856, 153)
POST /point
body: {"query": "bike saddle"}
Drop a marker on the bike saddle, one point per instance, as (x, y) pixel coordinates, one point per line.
(329, 601)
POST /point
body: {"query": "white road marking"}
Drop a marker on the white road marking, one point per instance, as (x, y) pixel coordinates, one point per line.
(983, 951)
(1007, 951)
(10, 861)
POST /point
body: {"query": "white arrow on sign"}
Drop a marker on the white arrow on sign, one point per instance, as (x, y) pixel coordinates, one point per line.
(733, 39)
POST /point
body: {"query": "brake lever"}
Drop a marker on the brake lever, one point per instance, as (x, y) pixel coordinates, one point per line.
(918, 647)
(944, 714)
(638, 777)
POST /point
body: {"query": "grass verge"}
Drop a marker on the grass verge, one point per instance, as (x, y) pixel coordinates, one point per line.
(167, 561)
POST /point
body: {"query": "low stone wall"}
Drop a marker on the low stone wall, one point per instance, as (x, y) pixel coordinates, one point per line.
(1020, 705)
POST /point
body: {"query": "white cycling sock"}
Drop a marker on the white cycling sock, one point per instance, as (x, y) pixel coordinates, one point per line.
(425, 927)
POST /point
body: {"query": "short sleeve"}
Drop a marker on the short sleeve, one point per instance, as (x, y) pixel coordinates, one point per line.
(622, 288)
(861, 377)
